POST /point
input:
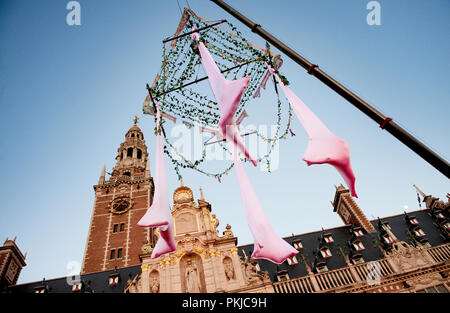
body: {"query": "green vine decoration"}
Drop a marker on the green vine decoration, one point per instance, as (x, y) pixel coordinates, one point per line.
(181, 65)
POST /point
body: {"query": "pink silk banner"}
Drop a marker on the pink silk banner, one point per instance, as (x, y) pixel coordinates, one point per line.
(228, 94)
(323, 146)
(159, 215)
(267, 245)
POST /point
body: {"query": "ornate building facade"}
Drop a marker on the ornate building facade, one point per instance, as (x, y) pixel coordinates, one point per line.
(408, 252)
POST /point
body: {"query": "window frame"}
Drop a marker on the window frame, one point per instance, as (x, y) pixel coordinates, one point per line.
(112, 254)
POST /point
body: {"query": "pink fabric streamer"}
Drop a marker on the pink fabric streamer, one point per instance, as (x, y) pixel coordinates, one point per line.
(267, 245)
(228, 94)
(159, 215)
(323, 146)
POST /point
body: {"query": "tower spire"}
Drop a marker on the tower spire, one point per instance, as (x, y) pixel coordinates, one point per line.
(101, 180)
(201, 194)
(419, 191)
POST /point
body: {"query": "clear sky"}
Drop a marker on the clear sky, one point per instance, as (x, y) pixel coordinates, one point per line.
(68, 95)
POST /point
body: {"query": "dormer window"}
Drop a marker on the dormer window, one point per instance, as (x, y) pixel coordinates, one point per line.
(114, 279)
(298, 244)
(321, 268)
(357, 259)
(419, 232)
(77, 287)
(388, 239)
(440, 215)
(282, 276)
(358, 232)
(328, 238)
(386, 226)
(292, 260)
(446, 225)
(413, 221)
(40, 289)
(358, 245)
(326, 253)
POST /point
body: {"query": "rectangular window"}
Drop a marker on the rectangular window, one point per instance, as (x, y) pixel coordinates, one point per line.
(122, 227)
(328, 238)
(298, 245)
(292, 260)
(358, 245)
(326, 253)
(321, 269)
(419, 232)
(112, 255)
(388, 239)
(115, 228)
(119, 253)
(283, 277)
(358, 260)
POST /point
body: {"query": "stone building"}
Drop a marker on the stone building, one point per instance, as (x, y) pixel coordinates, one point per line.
(409, 252)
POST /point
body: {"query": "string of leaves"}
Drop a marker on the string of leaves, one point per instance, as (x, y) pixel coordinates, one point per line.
(181, 64)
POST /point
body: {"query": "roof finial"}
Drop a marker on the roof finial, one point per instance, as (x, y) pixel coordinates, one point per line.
(101, 180)
(201, 194)
(136, 119)
(419, 191)
(181, 181)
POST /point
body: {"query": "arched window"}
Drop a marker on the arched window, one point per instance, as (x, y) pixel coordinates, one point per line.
(130, 152)
(127, 174)
(121, 156)
(132, 135)
(139, 153)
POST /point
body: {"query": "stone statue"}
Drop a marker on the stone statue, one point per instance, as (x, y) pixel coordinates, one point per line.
(251, 272)
(229, 270)
(154, 285)
(192, 278)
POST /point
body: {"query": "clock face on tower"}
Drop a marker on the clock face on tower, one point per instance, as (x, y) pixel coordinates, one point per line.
(120, 205)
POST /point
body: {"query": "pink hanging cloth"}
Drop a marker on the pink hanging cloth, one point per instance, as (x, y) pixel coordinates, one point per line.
(159, 215)
(228, 94)
(323, 146)
(267, 245)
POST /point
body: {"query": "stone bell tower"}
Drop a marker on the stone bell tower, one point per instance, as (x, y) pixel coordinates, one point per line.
(114, 238)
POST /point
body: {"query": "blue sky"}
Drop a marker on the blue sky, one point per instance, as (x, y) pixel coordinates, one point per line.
(68, 94)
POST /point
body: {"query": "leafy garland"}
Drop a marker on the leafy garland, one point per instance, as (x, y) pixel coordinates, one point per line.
(180, 66)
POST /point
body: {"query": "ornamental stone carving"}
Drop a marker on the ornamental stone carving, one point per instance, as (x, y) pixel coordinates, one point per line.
(154, 282)
(251, 272)
(406, 257)
(228, 268)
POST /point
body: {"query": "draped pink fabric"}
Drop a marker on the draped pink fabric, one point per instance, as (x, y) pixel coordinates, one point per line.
(159, 215)
(228, 94)
(323, 146)
(267, 245)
